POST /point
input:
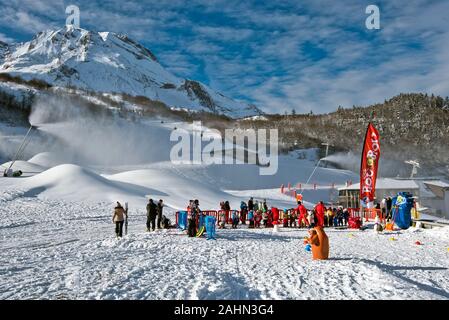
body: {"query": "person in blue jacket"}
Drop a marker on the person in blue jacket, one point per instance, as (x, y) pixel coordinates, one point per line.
(251, 219)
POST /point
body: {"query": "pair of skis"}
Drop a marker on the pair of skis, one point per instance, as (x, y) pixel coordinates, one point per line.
(126, 218)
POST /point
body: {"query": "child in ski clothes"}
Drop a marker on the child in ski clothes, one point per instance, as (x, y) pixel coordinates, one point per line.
(227, 208)
(293, 218)
(265, 219)
(192, 217)
(329, 216)
(235, 219)
(119, 218)
(243, 212)
(311, 219)
(251, 219)
(222, 219)
(285, 219)
(270, 219)
(257, 219)
(377, 224)
(340, 216)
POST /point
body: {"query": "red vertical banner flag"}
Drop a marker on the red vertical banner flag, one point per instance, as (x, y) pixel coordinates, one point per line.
(369, 167)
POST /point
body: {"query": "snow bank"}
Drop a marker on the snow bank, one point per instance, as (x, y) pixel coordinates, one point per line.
(74, 183)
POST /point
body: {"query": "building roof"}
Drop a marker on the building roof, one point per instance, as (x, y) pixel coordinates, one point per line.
(438, 183)
(387, 184)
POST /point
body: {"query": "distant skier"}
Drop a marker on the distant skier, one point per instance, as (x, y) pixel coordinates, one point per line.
(160, 207)
(151, 215)
(119, 218)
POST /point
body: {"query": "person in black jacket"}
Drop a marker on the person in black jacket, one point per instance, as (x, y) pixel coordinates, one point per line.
(151, 215)
(160, 206)
(250, 204)
(389, 203)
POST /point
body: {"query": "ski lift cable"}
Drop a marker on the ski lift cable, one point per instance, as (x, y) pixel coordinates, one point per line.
(20, 148)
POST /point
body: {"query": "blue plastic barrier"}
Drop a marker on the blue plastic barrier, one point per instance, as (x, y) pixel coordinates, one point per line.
(182, 220)
(210, 227)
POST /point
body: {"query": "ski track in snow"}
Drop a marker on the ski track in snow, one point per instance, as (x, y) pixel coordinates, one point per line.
(63, 250)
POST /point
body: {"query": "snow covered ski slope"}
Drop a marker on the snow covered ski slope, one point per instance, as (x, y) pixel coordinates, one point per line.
(66, 250)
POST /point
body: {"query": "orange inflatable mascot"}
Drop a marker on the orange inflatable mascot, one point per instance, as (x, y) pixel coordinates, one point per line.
(320, 243)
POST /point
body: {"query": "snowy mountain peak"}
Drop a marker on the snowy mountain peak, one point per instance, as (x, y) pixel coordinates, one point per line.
(111, 62)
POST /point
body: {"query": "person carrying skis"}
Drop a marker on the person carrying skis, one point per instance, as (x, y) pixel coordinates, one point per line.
(151, 215)
(119, 218)
(160, 206)
(243, 211)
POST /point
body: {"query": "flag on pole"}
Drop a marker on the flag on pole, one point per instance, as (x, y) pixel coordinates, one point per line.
(369, 167)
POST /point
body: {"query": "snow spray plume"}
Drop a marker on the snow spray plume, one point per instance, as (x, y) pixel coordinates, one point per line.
(351, 161)
(94, 134)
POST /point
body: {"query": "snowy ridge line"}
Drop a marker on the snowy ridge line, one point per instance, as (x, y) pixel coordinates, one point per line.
(112, 63)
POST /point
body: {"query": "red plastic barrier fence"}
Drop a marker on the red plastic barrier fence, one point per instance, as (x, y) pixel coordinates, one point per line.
(367, 214)
(228, 214)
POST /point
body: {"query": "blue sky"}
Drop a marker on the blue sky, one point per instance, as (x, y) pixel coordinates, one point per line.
(280, 55)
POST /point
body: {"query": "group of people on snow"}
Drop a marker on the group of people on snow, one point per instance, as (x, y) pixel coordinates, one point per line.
(255, 212)
(258, 214)
(154, 213)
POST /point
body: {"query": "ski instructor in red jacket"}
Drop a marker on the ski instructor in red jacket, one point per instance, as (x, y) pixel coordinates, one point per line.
(319, 210)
